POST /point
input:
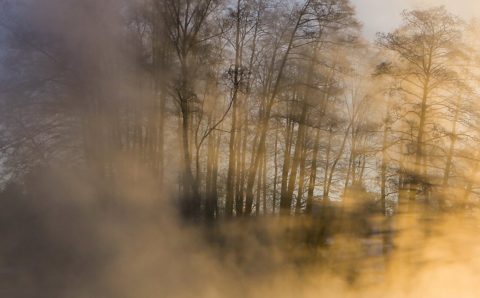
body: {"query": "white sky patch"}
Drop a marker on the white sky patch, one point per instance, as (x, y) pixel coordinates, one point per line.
(384, 15)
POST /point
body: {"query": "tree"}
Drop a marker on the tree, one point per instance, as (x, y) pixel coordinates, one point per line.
(425, 46)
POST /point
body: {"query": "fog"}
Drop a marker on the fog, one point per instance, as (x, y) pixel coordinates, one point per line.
(380, 16)
(250, 148)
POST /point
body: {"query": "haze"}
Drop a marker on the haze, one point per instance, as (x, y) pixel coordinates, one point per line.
(384, 15)
(239, 149)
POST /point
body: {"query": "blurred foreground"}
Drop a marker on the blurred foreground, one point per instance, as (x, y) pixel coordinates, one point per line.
(61, 238)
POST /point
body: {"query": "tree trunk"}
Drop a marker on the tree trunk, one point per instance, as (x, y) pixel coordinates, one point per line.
(191, 193)
(286, 201)
(418, 180)
(325, 199)
(233, 152)
(264, 186)
(383, 169)
(301, 179)
(286, 159)
(259, 188)
(264, 124)
(451, 150)
(241, 182)
(209, 190)
(275, 175)
(337, 159)
(313, 174)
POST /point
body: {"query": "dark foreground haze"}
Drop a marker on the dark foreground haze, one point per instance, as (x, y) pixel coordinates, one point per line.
(236, 148)
(76, 242)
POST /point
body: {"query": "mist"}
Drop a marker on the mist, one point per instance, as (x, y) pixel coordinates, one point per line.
(237, 148)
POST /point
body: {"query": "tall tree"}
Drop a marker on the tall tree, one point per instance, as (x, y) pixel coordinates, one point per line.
(425, 45)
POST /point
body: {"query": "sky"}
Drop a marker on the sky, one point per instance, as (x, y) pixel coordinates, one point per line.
(384, 15)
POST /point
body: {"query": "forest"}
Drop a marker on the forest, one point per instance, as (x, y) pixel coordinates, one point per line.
(224, 148)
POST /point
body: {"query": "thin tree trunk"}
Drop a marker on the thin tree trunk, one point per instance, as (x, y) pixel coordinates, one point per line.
(325, 199)
(286, 201)
(215, 175)
(275, 175)
(451, 150)
(209, 190)
(238, 167)
(241, 182)
(337, 159)
(259, 189)
(301, 179)
(264, 171)
(313, 174)
(471, 180)
(349, 169)
(383, 170)
(286, 158)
